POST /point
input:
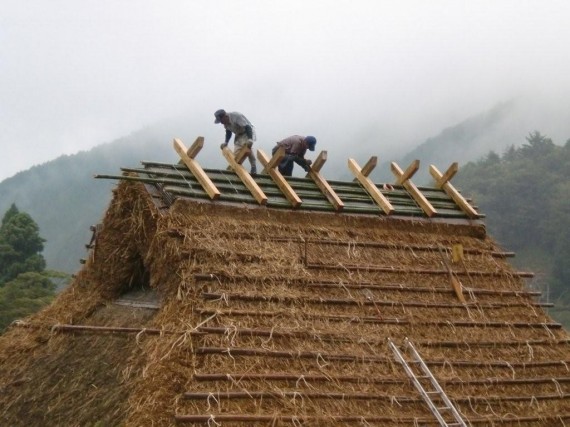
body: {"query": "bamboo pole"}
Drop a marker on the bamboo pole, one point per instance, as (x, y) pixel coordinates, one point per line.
(524, 274)
(396, 287)
(386, 321)
(280, 376)
(359, 419)
(345, 301)
(342, 357)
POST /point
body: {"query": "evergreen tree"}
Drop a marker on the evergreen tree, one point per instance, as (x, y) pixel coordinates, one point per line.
(25, 286)
(20, 245)
(525, 198)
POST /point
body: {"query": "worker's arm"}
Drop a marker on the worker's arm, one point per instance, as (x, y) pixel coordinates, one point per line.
(304, 163)
(228, 135)
(249, 132)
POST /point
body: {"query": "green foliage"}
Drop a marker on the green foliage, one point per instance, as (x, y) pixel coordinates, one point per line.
(524, 194)
(23, 296)
(20, 245)
(25, 286)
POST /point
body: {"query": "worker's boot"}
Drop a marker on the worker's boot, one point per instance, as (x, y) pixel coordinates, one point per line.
(253, 171)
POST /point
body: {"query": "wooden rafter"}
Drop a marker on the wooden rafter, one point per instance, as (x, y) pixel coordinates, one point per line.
(404, 179)
(188, 158)
(270, 167)
(326, 189)
(442, 181)
(241, 155)
(245, 177)
(368, 185)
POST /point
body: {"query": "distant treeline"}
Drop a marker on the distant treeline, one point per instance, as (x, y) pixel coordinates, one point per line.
(524, 193)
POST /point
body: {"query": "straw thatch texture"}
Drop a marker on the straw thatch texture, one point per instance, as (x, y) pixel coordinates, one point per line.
(267, 317)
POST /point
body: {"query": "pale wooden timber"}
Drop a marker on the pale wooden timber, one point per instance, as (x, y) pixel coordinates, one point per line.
(370, 188)
(322, 183)
(270, 167)
(241, 155)
(450, 189)
(449, 173)
(187, 156)
(273, 162)
(245, 177)
(404, 179)
(368, 167)
(319, 161)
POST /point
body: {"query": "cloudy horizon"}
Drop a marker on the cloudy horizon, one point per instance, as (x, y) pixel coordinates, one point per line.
(74, 75)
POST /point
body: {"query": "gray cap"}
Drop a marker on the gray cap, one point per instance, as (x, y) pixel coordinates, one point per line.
(219, 114)
(311, 142)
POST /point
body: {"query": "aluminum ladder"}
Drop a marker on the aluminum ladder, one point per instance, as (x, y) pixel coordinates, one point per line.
(435, 391)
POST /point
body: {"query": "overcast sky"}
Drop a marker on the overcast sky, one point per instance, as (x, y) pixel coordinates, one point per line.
(78, 73)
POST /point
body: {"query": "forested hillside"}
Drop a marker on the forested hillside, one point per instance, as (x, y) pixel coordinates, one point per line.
(525, 193)
(64, 198)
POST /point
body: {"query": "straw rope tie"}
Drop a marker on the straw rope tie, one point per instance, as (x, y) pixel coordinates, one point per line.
(184, 179)
(230, 182)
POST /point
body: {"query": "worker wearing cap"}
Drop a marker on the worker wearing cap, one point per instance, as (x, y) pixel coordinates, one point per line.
(295, 148)
(243, 130)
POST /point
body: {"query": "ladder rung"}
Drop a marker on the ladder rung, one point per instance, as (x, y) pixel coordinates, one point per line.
(433, 392)
(443, 408)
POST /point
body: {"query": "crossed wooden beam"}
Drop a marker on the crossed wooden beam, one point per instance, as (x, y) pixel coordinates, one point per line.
(270, 167)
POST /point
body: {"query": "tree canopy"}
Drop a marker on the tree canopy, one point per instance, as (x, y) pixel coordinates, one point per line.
(524, 193)
(25, 286)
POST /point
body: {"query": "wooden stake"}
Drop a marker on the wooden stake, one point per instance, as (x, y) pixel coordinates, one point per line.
(245, 177)
(455, 283)
(369, 186)
(322, 183)
(442, 181)
(187, 157)
(404, 179)
(270, 167)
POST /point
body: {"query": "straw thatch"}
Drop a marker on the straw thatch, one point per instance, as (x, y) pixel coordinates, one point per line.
(219, 314)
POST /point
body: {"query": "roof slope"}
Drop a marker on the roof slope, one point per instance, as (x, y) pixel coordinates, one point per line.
(262, 316)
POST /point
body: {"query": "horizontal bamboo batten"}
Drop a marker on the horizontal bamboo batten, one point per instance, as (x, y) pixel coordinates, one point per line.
(380, 303)
(385, 321)
(320, 420)
(277, 376)
(241, 351)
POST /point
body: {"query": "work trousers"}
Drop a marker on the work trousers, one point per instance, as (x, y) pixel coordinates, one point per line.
(239, 142)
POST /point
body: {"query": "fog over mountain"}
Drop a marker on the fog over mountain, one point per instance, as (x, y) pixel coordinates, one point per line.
(365, 77)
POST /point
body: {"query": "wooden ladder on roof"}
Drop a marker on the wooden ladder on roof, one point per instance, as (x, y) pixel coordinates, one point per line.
(430, 390)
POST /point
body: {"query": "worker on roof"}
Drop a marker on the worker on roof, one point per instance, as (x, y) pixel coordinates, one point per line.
(295, 148)
(243, 130)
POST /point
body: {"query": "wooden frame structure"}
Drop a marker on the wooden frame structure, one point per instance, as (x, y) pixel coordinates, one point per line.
(188, 157)
(270, 168)
(246, 178)
(326, 189)
(404, 179)
(361, 175)
(442, 181)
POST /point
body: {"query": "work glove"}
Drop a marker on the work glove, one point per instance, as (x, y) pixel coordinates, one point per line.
(309, 162)
(249, 143)
(224, 145)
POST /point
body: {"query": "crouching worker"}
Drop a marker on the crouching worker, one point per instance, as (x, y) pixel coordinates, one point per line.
(295, 148)
(236, 123)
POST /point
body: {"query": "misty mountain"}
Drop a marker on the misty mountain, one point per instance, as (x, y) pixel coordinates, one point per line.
(64, 199)
(463, 142)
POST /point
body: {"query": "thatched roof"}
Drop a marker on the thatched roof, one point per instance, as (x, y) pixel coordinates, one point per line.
(223, 313)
